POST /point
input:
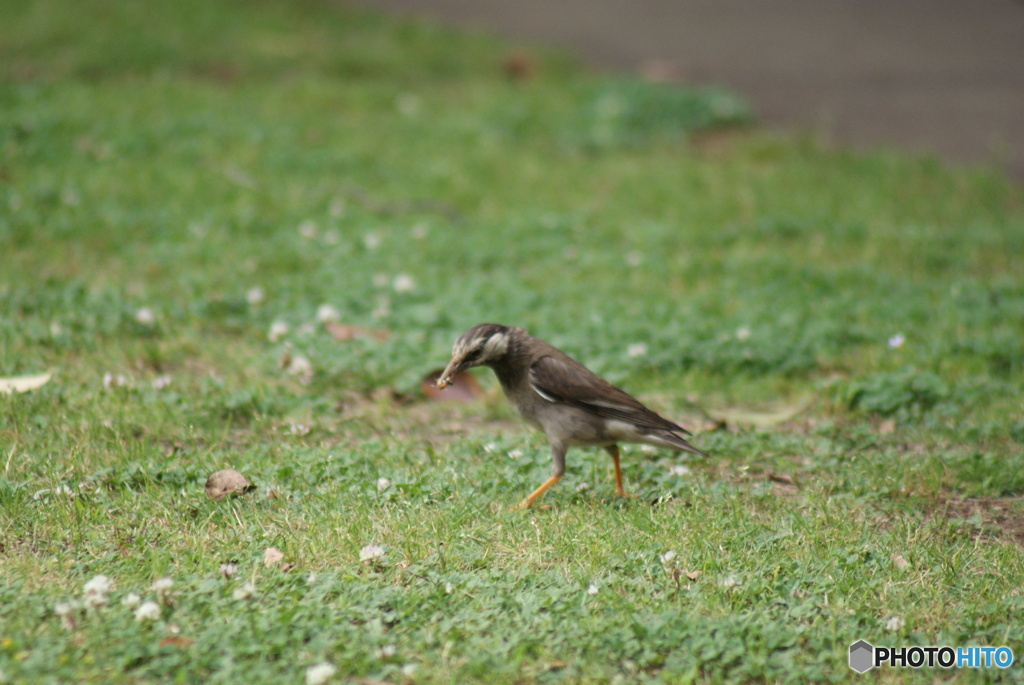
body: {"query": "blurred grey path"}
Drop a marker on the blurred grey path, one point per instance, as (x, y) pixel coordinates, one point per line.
(942, 76)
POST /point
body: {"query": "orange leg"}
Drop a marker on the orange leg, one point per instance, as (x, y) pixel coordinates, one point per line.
(538, 492)
(614, 451)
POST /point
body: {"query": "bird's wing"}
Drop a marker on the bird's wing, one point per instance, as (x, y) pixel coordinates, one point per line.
(569, 382)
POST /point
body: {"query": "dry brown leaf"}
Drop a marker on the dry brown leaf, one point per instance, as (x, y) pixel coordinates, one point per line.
(519, 66)
(272, 555)
(693, 575)
(225, 482)
(176, 641)
(463, 388)
(887, 427)
(344, 331)
(784, 478)
(23, 383)
(899, 561)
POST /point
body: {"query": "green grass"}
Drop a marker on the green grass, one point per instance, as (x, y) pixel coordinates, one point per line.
(172, 157)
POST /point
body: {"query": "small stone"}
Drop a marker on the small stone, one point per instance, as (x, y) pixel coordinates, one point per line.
(225, 482)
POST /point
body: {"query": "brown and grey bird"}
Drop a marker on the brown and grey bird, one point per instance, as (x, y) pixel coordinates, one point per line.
(555, 393)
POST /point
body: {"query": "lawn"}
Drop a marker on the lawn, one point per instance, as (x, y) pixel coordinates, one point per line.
(202, 202)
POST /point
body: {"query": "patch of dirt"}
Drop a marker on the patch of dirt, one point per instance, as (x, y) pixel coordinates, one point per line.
(1005, 514)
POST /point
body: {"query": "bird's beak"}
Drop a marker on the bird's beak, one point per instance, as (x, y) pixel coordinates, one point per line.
(445, 379)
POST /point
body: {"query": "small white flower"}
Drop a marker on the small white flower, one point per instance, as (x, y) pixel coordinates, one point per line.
(592, 589)
(145, 316)
(634, 259)
(320, 674)
(637, 350)
(371, 554)
(387, 651)
(255, 296)
(419, 231)
(742, 333)
(667, 557)
(490, 448)
(679, 470)
(729, 582)
(243, 591)
(371, 241)
(408, 670)
(327, 312)
(161, 381)
(131, 600)
(311, 578)
(449, 588)
(299, 429)
(227, 569)
(66, 611)
(515, 454)
(162, 585)
(383, 484)
(96, 590)
(583, 487)
(149, 611)
(278, 330)
(403, 283)
(56, 330)
(894, 624)
(896, 341)
(307, 229)
(112, 381)
(300, 366)
(162, 588)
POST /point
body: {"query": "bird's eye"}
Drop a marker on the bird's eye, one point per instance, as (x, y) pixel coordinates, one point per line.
(474, 355)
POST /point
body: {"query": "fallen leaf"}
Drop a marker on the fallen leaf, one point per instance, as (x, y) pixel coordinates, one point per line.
(23, 383)
(519, 66)
(886, 427)
(784, 478)
(176, 641)
(463, 388)
(226, 482)
(344, 331)
(693, 575)
(899, 561)
(272, 555)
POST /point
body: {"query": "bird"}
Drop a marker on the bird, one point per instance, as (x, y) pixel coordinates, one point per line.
(553, 392)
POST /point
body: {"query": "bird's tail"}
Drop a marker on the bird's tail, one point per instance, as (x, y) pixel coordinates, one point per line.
(676, 441)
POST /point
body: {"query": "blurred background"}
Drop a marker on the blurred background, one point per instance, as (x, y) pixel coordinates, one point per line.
(934, 76)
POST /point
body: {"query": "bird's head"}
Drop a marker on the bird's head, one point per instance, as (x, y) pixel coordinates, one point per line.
(482, 344)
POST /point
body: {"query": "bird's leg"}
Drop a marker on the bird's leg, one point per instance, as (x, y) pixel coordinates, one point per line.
(557, 469)
(614, 451)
